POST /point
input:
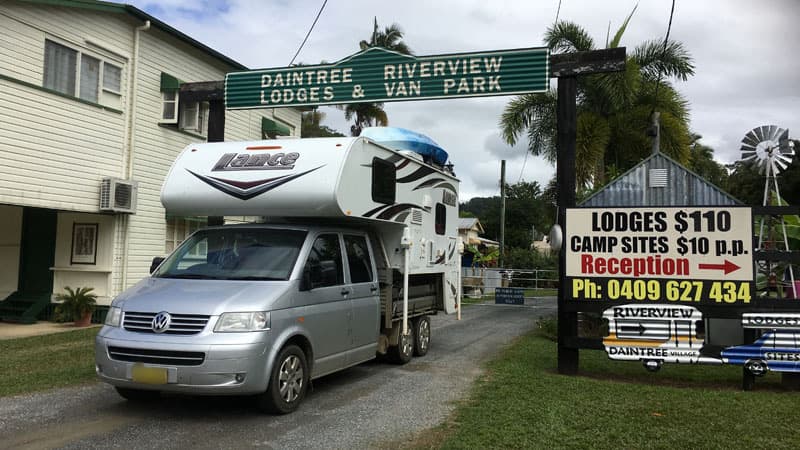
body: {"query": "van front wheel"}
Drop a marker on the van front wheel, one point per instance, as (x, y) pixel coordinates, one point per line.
(288, 382)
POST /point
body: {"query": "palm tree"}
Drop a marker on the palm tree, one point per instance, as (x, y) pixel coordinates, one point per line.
(614, 110)
(369, 114)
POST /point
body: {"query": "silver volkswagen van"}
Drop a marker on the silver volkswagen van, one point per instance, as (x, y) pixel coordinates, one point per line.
(245, 309)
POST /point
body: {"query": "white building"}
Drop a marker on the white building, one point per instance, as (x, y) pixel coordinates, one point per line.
(89, 91)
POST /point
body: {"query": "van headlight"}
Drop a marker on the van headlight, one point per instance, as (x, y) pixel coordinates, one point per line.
(113, 317)
(235, 322)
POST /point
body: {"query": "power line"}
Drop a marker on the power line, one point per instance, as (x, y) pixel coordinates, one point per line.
(309, 31)
(663, 54)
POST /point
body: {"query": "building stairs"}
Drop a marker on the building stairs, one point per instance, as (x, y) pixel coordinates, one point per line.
(23, 307)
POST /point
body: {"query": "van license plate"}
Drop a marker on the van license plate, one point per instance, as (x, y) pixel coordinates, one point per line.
(148, 375)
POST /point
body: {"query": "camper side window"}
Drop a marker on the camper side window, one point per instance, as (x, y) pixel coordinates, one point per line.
(384, 181)
(324, 263)
(441, 219)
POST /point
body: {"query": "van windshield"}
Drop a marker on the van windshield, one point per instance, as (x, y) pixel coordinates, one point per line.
(235, 254)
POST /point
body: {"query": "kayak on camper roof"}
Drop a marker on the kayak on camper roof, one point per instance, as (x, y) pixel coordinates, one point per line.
(403, 139)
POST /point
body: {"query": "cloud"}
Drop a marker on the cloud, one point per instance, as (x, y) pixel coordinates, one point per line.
(744, 51)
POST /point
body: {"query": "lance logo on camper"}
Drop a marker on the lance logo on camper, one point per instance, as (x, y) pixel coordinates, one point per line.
(258, 161)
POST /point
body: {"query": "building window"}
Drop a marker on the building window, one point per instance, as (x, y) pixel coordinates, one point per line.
(190, 116)
(112, 78)
(60, 64)
(179, 228)
(76, 73)
(194, 117)
(169, 100)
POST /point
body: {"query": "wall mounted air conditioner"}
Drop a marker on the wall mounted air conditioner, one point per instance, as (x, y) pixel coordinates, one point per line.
(117, 195)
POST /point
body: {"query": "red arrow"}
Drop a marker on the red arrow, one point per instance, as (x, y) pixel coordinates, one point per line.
(728, 267)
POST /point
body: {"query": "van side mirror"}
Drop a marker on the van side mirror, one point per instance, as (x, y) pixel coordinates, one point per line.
(156, 262)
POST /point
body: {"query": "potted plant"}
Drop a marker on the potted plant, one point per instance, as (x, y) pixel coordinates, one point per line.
(79, 304)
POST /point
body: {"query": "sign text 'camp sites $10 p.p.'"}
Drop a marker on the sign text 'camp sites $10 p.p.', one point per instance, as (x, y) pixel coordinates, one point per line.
(677, 255)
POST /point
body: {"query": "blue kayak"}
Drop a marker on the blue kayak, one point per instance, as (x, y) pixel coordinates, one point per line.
(403, 139)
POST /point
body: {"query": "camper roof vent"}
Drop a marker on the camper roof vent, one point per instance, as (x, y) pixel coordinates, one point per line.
(117, 195)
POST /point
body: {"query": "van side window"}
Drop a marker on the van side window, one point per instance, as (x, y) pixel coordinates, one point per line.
(441, 219)
(358, 259)
(324, 262)
(384, 181)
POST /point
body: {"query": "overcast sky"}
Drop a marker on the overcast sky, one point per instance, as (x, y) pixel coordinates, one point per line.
(745, 53)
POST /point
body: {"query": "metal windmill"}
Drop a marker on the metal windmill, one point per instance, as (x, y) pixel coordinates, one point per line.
(770, 148)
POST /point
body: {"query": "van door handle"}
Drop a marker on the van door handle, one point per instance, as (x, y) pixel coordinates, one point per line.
(345, 292)
(373, 289)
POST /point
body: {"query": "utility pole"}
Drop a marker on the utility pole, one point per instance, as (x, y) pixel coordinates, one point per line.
(502, 212)
(655, 131)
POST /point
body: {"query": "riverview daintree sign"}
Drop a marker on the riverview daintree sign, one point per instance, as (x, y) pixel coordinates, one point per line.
(380, 75)
(684, 255)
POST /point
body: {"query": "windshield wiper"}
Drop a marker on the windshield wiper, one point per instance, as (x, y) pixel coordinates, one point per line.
(254, 278)
(188, 276)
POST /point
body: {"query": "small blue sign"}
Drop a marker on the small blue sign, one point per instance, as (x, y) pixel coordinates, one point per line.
(509, 296)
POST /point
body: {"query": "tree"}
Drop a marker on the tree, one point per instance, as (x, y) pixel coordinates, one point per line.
(526, 209)
(311, 125)
(701, 162)
(369, 114)
(614, 110)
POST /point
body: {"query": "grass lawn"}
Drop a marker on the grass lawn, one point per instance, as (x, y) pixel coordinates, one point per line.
(523, 403)
(45, 362)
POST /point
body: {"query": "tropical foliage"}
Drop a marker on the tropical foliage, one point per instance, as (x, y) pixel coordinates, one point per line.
(528, 209)
(78, 302)
(615, 110)
(372, 114)
(311, 125)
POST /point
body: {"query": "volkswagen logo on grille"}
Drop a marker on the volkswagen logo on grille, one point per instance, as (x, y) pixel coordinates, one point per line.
(161, 322)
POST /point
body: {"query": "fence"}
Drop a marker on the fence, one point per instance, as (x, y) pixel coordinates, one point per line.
(478, 281)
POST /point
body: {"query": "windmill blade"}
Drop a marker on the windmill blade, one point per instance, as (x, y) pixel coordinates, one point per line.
(751, 138)
(746, 153)
(775, 170)
(773, 133)
(783, 159)
(759, 132)
(747, 148)
(779, 163)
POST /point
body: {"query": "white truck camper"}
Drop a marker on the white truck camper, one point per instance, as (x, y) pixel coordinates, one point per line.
(355, 245)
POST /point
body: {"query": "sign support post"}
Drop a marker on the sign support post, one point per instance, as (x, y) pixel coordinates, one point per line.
(566, 68)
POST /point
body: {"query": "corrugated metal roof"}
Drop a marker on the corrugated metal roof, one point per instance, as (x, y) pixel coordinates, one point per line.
(659, 181)
(465, 223)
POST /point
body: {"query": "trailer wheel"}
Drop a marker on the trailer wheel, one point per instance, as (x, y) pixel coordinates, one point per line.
(422, 335)
(288, 382)
(402, 352)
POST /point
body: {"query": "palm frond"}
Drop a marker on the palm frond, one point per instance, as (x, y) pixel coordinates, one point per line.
(618, 35)
(567, 37)
(533, 114)
(674, 62)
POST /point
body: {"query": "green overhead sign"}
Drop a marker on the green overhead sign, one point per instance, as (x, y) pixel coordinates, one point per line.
(380, 75)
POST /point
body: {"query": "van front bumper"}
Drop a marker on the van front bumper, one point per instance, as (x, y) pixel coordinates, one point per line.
(173, 366)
